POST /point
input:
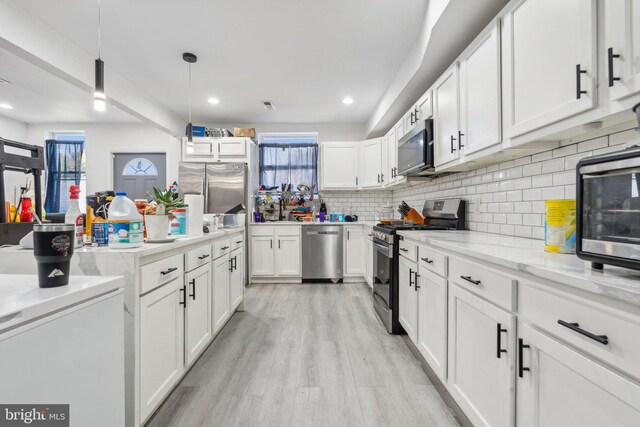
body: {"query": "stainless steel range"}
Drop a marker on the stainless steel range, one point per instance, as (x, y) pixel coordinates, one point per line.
(448, 214)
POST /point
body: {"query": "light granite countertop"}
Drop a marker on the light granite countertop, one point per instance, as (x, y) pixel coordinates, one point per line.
(281, 223)
(528, 255)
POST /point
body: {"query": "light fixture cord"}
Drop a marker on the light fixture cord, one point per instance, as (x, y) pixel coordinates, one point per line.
(99, 24)
(189, 92)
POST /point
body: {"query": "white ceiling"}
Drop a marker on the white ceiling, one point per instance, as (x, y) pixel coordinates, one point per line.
(40, 97)
(303, 55)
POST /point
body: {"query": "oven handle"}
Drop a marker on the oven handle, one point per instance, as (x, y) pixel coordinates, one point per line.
(382, 248)
(379, 299)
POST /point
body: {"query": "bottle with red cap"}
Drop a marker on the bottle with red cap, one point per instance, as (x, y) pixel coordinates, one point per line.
(74, 215)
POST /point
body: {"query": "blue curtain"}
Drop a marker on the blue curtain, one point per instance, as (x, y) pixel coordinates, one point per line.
(292, 161)
(64, 168)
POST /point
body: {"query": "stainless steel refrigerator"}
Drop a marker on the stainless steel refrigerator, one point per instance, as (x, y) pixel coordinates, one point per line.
(224, 185)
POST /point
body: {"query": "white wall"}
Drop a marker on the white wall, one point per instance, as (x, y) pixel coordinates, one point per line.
(16, 131)
(103, 139)
(326, 131)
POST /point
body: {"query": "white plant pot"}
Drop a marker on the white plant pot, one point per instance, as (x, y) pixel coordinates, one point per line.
(157, 226)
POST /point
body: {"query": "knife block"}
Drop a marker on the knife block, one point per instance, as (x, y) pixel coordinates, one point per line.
(414, 216)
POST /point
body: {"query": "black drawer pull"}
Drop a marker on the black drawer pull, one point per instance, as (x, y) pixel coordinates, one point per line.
(404, 249)
(499, 349)
(521, 368)
(452, 139)
(203, 257)
(417, 286)
(224, 248)
(410, 274)
(602, 339)
(427, 260)
(460, 144)
(470, 280)
(169, 271)
(610, 56)
(238, 242)
(193, 287)
(579, 72)
(183, 291)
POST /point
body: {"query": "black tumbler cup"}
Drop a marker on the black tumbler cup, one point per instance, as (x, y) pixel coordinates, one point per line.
(53, 249)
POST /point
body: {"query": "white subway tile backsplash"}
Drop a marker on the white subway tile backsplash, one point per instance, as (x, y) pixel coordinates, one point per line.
(542, 180)
(564, 178)
(553, 165)
(532, 169)
(553, 193)
(593, 144)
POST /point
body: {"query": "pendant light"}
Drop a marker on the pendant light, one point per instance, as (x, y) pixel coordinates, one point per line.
(189, 58)
(99, 101)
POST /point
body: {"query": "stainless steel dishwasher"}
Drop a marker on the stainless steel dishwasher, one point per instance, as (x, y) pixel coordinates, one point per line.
(322, 252)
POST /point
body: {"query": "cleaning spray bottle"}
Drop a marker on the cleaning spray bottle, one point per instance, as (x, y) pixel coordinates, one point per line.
(74, 215)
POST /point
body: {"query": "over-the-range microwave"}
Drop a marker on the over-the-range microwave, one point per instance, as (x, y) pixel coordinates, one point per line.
(415, 151)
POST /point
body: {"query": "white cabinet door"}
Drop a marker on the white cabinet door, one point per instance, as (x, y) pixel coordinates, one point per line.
(161, 343)
(198, 312)
(392, 157)
(445, 116)
(236, 279)
(408, 298)
(409, 120)
(384, 161)
(232, 147)
(622, 47)
(399, 132)
(288, 256)
(425, 106)
(339, 165)
(432, 321)
(481, 377)
(371, 163)
(550, 53)
(354, 251)
(369, 260)
(262, 256)
(480, 92)
(561, 387)
(220, 312)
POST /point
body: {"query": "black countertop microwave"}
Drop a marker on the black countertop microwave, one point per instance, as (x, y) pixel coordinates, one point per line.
(608, 209)
(415, 151)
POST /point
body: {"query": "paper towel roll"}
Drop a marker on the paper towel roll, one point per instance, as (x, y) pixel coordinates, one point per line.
(196, 212)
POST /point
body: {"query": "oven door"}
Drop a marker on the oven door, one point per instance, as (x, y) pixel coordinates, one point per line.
(382, 281)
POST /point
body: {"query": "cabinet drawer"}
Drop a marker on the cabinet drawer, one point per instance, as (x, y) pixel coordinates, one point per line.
(491, 284)
(432, 260)
(236, 241)
(545, 309)
(197, 257)
(161, 272)
(408, 250)
(221, 247)
(288, 230)
(262, 230)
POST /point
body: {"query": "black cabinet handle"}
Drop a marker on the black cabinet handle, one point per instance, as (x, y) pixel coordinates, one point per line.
(499, 349)
(410, 274)
(602, 339)
(224, 248)
(452, 139)
(230, 264)
(579, 72)
(183, 292)
(378, 178)
(521, 367)
(238, 242)
(279, 244)
(381, 177)
(356, 180)
(169, 271)
(193, 287)
(415, 281)
(271, 244)
(427, 260)
(205, 256)
(416, 112)
(404, 249)
(470, 280)
(412, 121)
(460, 144)
(235, 262)
(610, 56)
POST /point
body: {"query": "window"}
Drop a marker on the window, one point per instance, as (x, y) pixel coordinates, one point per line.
(65, 166)
(288, 159)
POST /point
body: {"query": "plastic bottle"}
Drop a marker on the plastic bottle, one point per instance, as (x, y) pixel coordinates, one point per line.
(125, 223)
(74, 216)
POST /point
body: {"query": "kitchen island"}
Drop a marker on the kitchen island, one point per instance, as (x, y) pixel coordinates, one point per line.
(177, 297)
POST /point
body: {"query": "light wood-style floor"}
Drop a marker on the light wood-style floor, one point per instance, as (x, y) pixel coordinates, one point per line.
(306, 355)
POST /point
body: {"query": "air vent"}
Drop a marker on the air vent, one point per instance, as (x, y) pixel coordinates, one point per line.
(268, 105)
(4, 82)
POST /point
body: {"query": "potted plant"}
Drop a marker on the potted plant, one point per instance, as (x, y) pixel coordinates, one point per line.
(157, 214)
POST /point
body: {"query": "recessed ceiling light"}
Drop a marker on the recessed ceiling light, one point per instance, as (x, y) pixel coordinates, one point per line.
(214, 101)
(347, 101)
(6, 106)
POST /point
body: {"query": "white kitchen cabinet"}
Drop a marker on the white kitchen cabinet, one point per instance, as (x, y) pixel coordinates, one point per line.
(480, 93)
(550, 56)
(262, 256)
(409, 120)
(559, 386)
(220, 303)
(339, 165)
(236, 278)
(432, 321)
(288, 256)
(424, 106)
(198, 312)
(354, 251)
(446, 117)
(232, 147)
(481, 362)
(371, 163)
(207, 149)
(392, 156)
(408, 297)
(161, 343)
(622, 47)
(369, 259)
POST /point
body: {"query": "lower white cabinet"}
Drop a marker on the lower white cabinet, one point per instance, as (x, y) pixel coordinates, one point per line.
(161, 343)
(263, 256)
(288, 256)
(220, 304)
(354, 262)
(236, 278)
(432, 321)
(557, 386)
(408, 297)
(276, 251)
(481, 360)
(198, 312)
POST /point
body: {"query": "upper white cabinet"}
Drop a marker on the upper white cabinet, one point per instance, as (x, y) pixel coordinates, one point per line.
(339, 165)
(372, 173)
(206, 149)
(622, 47)
(392, 156)
(446, 117)
(550, 55)
(232, 147)
(480, 93)
(354, 245)
(424, 106)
